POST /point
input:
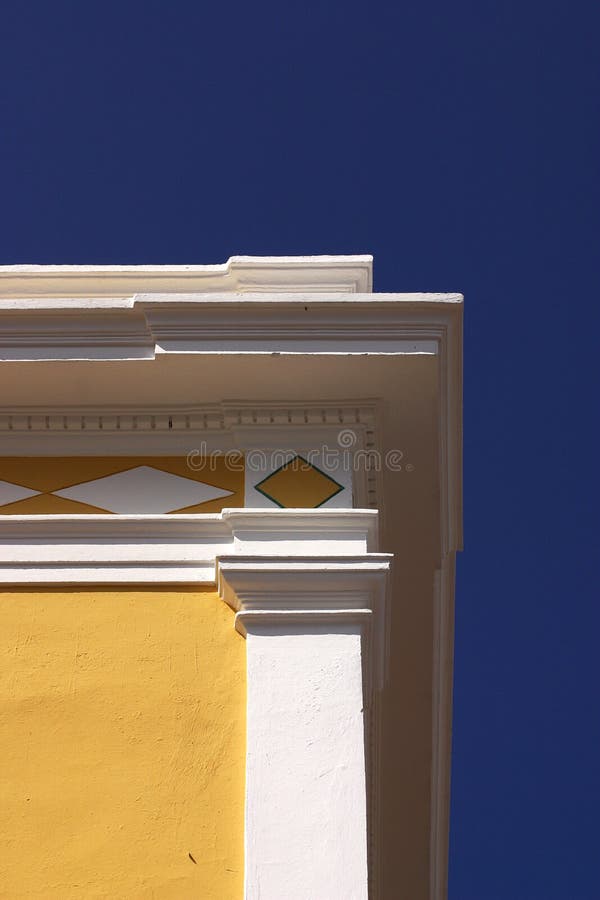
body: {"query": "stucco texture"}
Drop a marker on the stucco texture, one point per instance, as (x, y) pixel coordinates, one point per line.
(122, 740)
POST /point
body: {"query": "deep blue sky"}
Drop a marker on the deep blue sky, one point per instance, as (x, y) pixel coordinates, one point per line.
(457, 142)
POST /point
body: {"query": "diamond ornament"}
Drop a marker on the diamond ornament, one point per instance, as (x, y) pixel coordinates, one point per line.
(299, 484)
(143, 490)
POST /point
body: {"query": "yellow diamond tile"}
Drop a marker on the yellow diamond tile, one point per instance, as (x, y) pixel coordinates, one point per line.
(299, 484)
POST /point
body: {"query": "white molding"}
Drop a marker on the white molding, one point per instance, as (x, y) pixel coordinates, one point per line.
(326, 530)
(295, 323)
(104, 549)
(247, 425)
(310, 588)
(239, 273)
(152, 324)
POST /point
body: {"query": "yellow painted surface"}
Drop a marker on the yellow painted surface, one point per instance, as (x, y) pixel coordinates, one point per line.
(299, 484)
(122, 745)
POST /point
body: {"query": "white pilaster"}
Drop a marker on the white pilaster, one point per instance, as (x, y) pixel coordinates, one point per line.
(316, 645)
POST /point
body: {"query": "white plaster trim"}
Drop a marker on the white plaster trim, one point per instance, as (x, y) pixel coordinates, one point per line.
(296, 323)
(104, 549)
(324, 531)
(151, 324)
(239, 273)
(257, 422)
(310, 588)
(241, 425)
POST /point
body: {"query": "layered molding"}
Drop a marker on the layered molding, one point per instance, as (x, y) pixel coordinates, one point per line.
(111, 549)
(379, 325)
(147, 325)
(344, 274)
(251, 324)
(300, 591)
(303, 531)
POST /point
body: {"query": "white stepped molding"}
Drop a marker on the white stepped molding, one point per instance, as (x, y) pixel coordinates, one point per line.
(341, 274)
(105, 549)
(147, 325)
(312, 590)
(306, 531)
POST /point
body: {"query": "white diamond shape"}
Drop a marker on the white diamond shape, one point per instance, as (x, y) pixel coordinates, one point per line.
(10, 493)
(142, 490)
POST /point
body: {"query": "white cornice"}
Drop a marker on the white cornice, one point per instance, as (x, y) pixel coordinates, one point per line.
(104, 549)
(154, 324)
(340, 274)
(364, 323)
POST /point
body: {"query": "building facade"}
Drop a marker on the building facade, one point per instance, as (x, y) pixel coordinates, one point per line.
(230, 503)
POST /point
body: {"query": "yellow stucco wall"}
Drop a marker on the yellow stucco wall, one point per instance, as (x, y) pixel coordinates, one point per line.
(122, 745)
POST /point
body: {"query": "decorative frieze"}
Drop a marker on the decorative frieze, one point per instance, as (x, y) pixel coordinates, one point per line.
(285, 455)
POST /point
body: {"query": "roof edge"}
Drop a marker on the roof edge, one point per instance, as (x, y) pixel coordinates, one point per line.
(314, 274)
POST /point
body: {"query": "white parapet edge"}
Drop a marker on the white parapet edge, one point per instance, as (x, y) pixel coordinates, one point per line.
(343, 274)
